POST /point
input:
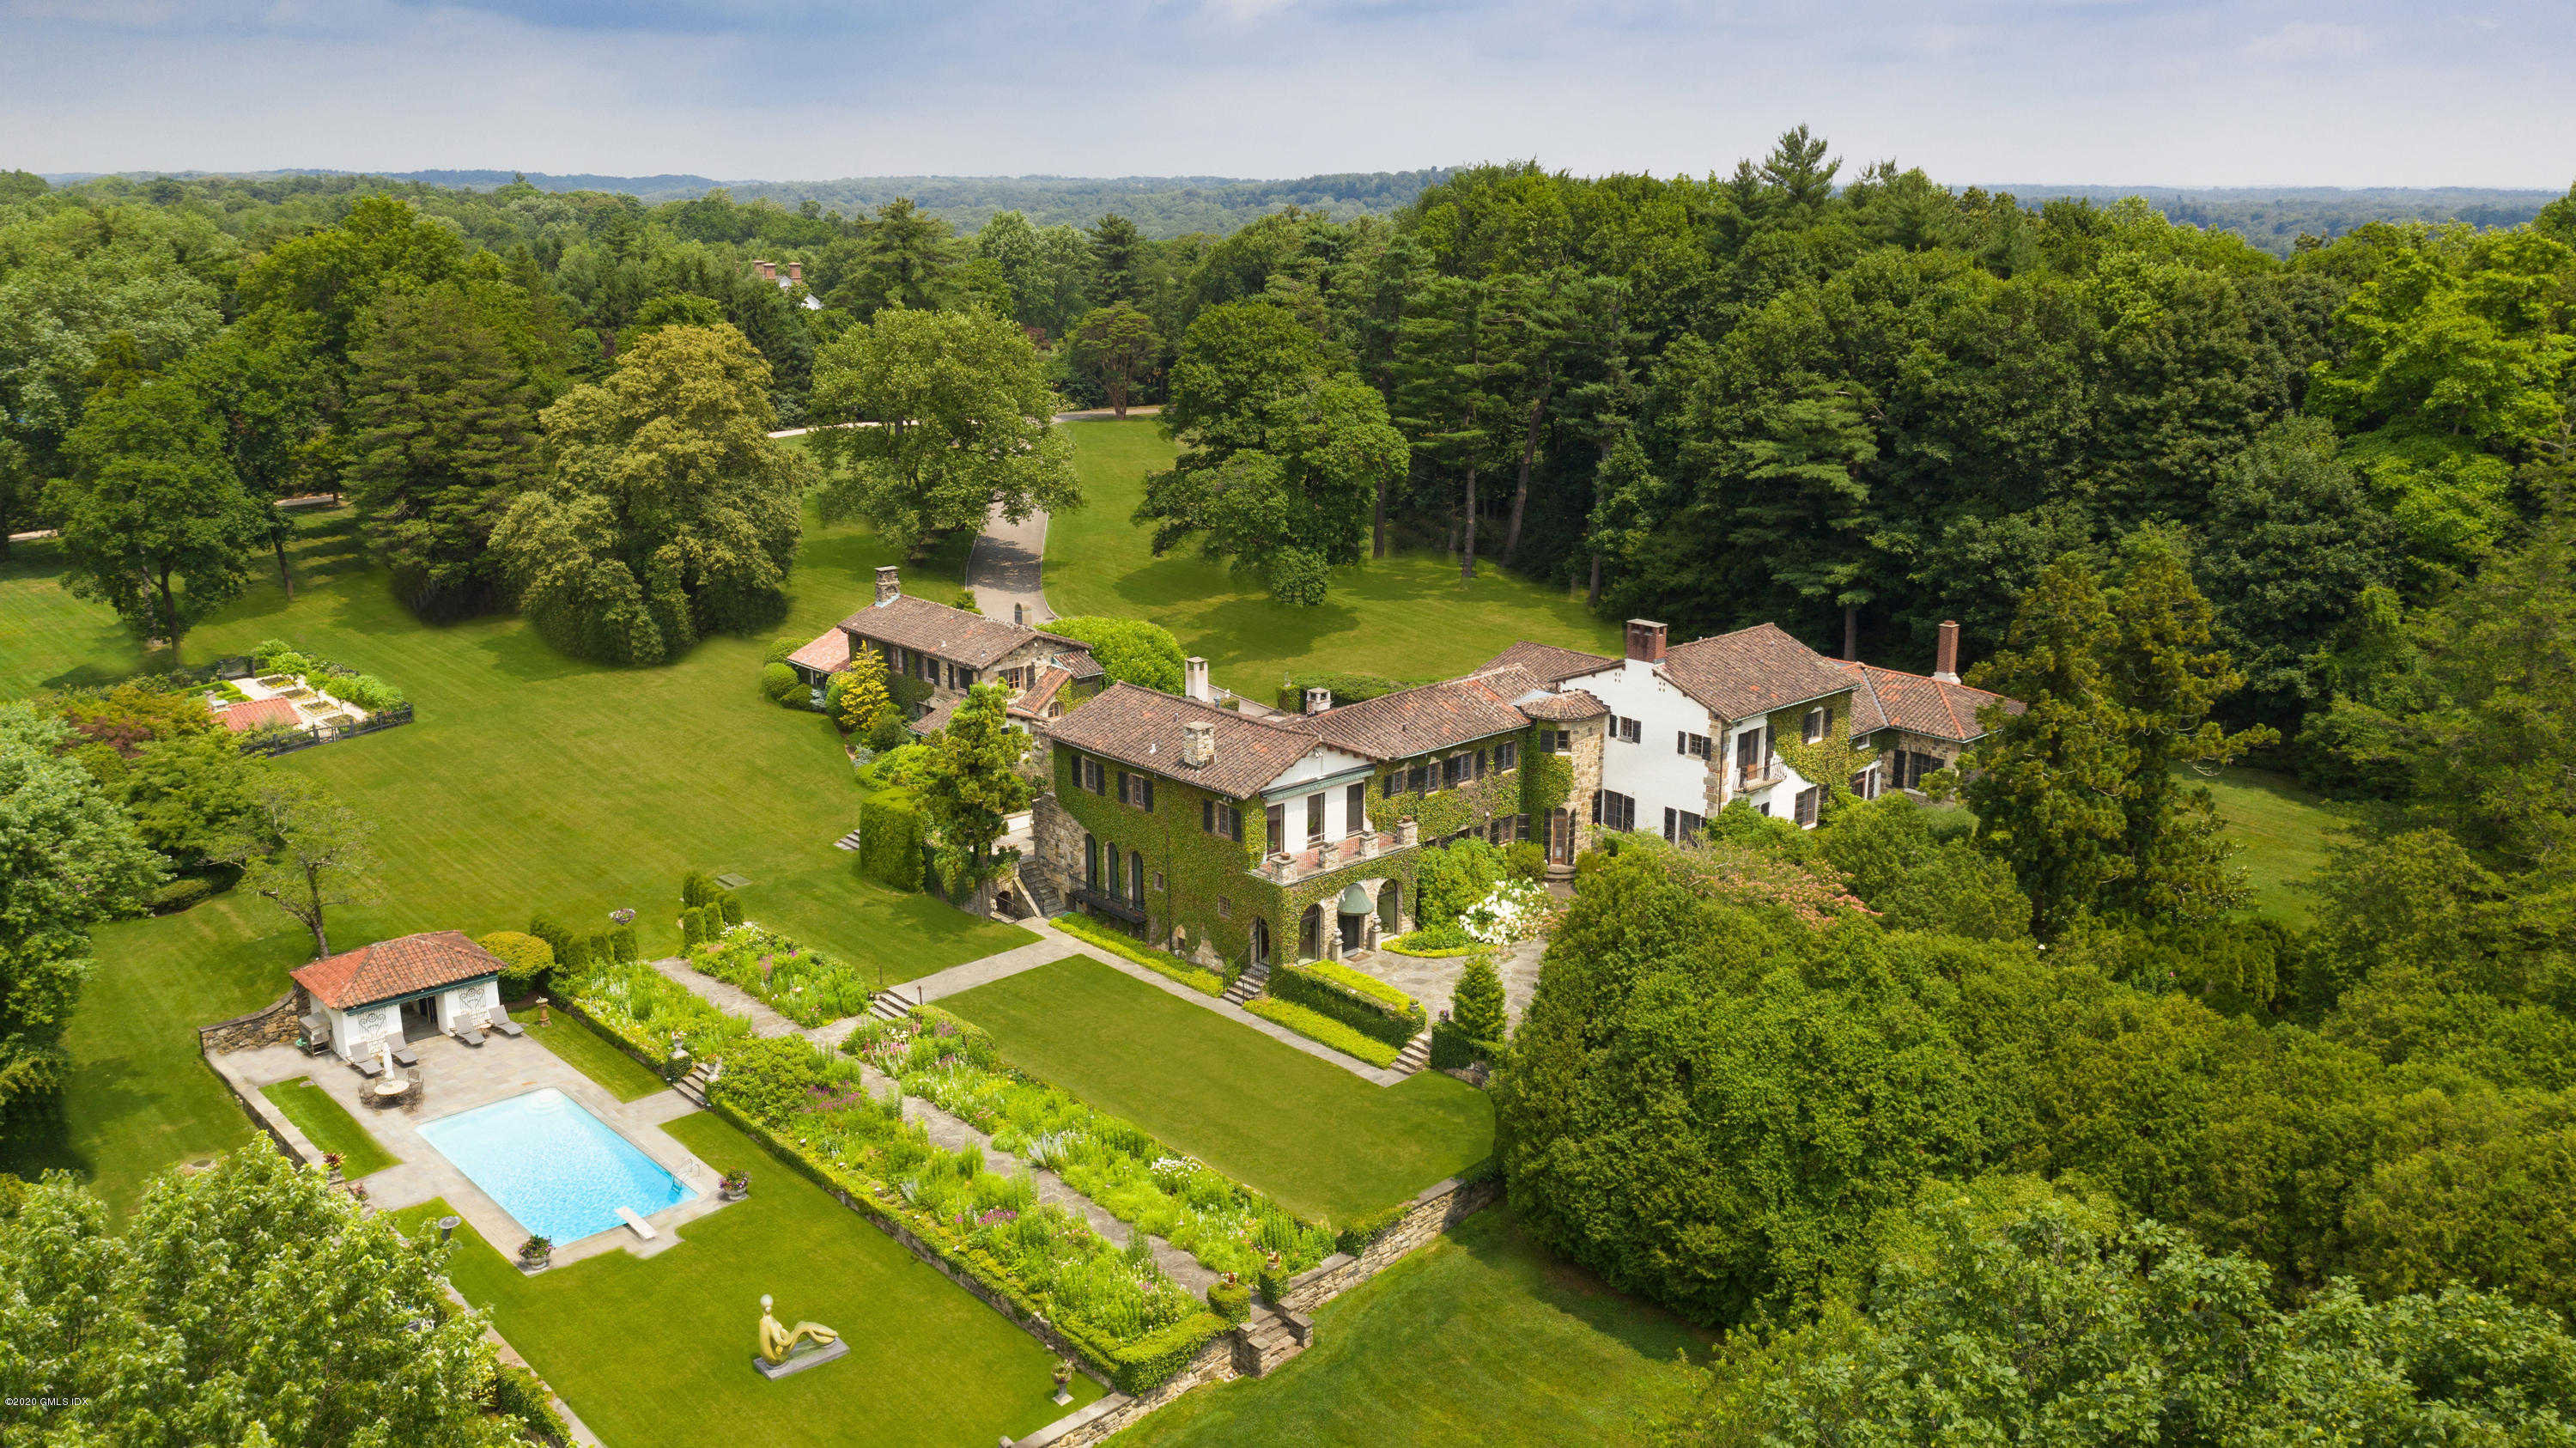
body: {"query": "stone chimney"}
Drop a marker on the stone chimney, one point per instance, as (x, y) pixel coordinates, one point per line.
(1194, 680)
(1645, 641)
(1318, 700)
(1198, 743)
(889, 586)
(1945, 654)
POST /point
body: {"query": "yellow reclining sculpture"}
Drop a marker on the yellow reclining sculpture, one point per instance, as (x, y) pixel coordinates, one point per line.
(776, 1341)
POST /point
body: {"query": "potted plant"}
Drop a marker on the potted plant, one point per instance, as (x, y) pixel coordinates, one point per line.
(535, 1254)
(1063, 1381)
(331, 1160)
(736, 1186)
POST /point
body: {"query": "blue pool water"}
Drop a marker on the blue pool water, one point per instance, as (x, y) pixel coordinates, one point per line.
(555, 1167)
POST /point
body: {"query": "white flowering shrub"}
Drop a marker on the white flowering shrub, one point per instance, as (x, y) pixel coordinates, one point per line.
(1512, 911)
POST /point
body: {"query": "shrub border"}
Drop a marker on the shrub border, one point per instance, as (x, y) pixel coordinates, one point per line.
(1324, 1030)
(1302, 985)
(1197, 977)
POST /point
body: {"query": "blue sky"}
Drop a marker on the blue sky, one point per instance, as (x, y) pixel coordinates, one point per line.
(2138, 92)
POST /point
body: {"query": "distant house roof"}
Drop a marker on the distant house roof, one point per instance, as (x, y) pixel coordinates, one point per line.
(826, 655)
(1548, 663)
(260, 714)
(1142, 727)
(1434, 716)
(392, 968)
(943, 632)
(1751, 672)
(1890, 699)
(1570, 705)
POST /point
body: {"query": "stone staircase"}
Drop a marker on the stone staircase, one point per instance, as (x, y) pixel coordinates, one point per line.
(1042, 897)
(849, 841)
(1416, 1055)
(1271, 1336)
(693, 1087)
(1247, 985)
(888, 1005)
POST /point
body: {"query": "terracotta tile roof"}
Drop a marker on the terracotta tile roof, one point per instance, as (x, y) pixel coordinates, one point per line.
(1751, 672)
(940, 631)
(936, 717)
(1079, 662)
(1141, 728)
(1548, 663)
(1433, 716)
(826, 655)
(1572, 704)
(1890, 699)
(260, 714)
(1033, 700)
(398, 967)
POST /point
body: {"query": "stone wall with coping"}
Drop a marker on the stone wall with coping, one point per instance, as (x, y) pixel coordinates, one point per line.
(274, 1024)
(1435, 1211)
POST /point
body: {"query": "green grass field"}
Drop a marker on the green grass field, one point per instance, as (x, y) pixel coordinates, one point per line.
(592, 1054)
(329, 1126)
(655, 1352)
(1482, 1337)
(1407, 616)
(1328, 1145)
(531, 782)
(2286, 830)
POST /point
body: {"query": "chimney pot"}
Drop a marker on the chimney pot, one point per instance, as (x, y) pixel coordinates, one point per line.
(1645, 641)
(1945, 656)
(1194, 680)
(1318, 700)
(889, 585)
(1198, 743)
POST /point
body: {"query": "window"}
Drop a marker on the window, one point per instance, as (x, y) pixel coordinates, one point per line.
(1094, 778)
(1222, 820)
(1136, 875)
(1314, 816)
(1136, 790)
(1225, 907)
(1417, 780)
(1453, 770)
(1091, 862)
(1864, 784)
(1480, 764)
(965, 678)
(1617, 811)
(1627, 731)
(1552, 741)
(1681, 825)
(1807, 799)
(1355, 809)
(1694, 745)
(1278, 823)
(1818, 721)
(1749, 753)
(1158, 881)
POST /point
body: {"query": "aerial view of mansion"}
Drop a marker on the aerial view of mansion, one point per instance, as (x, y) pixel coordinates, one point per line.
(1237, 834)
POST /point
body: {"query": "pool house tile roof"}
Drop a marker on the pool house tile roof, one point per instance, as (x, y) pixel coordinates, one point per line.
(406, 965)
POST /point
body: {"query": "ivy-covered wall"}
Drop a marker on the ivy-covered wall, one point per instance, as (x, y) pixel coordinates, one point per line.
(1535, 785)
(1199, 869)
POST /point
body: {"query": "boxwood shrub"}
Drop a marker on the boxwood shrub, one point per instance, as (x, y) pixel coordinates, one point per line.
(782, 684)
(1452, 1049)
(1323, 1029)
(1328, 990)
(891, 832)
(525, 959)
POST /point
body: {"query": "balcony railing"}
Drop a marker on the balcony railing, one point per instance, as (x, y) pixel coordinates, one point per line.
(1114, 906)
(1287, 869)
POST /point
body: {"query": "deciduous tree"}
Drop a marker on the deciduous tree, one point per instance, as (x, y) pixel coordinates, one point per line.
(155, 522)
(970, 785)
(304, 850)
(1117, 345)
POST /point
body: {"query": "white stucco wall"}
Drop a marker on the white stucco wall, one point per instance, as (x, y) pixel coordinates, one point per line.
(1650, 771)
(1329, 772)
(470, 1004)
(354, 1033)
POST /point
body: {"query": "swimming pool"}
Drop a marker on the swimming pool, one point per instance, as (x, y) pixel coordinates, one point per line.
(552, 1165)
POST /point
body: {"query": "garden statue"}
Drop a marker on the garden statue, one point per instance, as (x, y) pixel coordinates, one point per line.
(776, 1341)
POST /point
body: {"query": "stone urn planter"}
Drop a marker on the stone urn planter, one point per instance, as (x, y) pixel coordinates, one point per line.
(734, 1187)
(536, 1254)
(1063, 1381)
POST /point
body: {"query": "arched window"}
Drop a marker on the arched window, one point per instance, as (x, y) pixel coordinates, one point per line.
(1390, 906)
(1090, 863)
(1310, 933)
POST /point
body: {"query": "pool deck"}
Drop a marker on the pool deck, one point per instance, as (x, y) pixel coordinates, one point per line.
(456, 1077)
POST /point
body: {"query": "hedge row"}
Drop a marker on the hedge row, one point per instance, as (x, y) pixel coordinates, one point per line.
(1452, 1049)
(1135, 1368)
(1196, 977)
(1323, 1029)
(891, 834)
(1347, 688)
(1368, 1014)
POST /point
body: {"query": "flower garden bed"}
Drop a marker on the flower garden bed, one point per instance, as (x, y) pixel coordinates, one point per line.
(1197, 977)
(1112, 1305)
(1323, 1030)
(803, 984)
(1228, 1227)
(659, 1020)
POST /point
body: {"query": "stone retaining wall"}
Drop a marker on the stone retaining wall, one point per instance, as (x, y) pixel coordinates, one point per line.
(274, 1024)
(1435, 1211)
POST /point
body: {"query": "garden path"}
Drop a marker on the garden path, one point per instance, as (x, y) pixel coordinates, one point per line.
(946, 1131)
(1004, 566)
(1433, 980)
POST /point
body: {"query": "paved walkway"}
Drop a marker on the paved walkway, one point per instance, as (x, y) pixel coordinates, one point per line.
(1005, 565)
(1433, 980)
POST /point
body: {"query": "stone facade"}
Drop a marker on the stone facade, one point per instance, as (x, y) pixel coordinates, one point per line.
(274, 1024)
(1584, 752)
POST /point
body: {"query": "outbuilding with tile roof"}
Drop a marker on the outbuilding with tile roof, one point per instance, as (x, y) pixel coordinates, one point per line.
(434, 982)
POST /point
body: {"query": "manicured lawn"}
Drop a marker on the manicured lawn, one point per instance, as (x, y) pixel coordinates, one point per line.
(2286, 830)
(1328, 1145)
(531, 782)
(1406, 616)
(657, 1351)
(1482, 1337)
(592, 1054)
(329, 1126)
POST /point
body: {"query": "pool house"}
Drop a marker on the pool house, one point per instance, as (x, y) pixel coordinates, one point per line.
(395, 990)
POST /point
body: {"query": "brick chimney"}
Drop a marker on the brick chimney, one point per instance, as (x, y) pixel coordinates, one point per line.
(796, 272)
(1945, 654)
(1318, 700)
(1194, 680)
(768, 270)
(1198, 743)
(889, 586)
(1645, 641)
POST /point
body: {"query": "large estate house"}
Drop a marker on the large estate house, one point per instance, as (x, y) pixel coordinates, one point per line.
(952, 650)
(1232, 833)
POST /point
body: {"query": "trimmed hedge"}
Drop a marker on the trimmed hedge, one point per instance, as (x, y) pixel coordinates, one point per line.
(781, 684)
(1433, 944)
(1231, 1301)
(1452, 1049)
(1196, 977)
(572, 952)
(518, 1393)
(181, 893)
(891, 834)
(1347, 688)
(525, 959)
(1368, 1013)
(1322, 1029)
